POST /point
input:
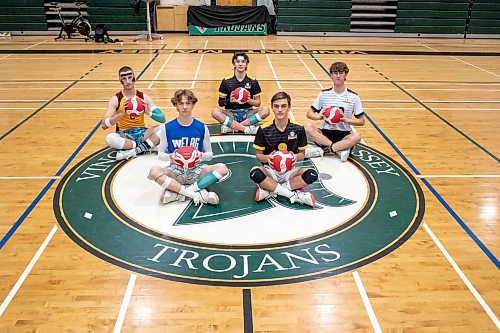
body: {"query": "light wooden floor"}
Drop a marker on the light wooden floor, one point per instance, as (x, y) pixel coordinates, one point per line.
(437, 115)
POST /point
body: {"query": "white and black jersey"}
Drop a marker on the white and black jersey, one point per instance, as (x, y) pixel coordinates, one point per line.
(348, 101)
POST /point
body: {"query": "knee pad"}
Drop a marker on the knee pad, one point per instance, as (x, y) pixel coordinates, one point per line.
(310, 176)
(257, 175)
(114, 140)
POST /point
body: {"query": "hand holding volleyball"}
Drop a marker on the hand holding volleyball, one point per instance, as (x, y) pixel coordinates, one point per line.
(186, 157)
(282, 161)
(240, 95)
(134, 107)
(332, 114)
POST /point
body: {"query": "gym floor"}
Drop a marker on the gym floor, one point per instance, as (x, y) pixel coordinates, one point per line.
(70, 264)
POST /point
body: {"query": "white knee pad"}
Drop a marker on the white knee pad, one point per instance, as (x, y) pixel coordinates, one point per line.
(114, 140)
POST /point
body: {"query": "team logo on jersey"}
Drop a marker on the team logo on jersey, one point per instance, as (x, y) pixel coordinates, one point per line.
(366, 208)
(292, 135)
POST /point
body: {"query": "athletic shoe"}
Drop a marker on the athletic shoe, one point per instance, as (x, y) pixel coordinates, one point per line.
(262, 194)
(252, 129)
(226, 129)
(125, 154)
(205, 197)
(170, 196)
(303, 198)
(344, 154)
(314, 151)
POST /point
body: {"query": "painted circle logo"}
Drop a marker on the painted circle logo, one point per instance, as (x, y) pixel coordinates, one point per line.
(366, 208)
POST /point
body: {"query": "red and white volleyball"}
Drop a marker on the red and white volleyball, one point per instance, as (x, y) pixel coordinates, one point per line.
(282, 161)
(241, 95)
(134, 107)
(333, 114)
(186, 157)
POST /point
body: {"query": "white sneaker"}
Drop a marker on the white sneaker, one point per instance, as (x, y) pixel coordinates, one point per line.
(314, 151)
(344, 154)
(125, 154)
(205, 197)
(169, 196)
(303, 198)
(262, 194)
(226, 129)
(252, 129)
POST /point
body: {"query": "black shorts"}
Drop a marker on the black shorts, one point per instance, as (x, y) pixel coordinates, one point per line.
(334, 135)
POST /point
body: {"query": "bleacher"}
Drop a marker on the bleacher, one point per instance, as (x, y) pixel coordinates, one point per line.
(22, 15)
(431, 17)
(117, 15)
(485, 18)
(314, 16)
(412, 17)
(293, 16)
(33, 15)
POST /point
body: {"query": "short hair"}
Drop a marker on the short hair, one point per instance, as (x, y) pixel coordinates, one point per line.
(281, 95)
(183, 92)
(240, 54)
(124, 69)
(339, 66)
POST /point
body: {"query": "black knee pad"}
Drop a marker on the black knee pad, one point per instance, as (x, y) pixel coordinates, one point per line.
(310, 176)
(257, 175)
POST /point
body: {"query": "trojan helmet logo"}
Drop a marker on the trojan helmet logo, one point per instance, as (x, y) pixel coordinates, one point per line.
(366, 208)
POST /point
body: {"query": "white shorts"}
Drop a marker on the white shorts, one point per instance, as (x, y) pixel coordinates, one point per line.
(280, 178)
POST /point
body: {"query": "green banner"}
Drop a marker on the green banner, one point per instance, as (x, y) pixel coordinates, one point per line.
(245, 29)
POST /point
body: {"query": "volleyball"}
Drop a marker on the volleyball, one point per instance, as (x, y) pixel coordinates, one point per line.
(134, 107)
(282, 161)
(333, 114)
(241, 95)
(186, 157)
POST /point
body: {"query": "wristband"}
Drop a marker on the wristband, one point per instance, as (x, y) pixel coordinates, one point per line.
(107, 122)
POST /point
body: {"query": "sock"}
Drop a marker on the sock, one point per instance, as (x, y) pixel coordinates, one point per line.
(254, 119)
(145, 145)
(188, 192)
(206, 181)
(283, 191)
(230, 122)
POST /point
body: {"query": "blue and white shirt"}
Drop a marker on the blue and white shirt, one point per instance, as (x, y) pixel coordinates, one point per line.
(174, 135)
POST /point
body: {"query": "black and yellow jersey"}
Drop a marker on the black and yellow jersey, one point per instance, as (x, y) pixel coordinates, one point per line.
(269, 138)
(230, 83)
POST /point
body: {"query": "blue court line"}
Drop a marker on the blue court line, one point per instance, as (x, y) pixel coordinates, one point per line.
(440, 198)
(448, 123)
(450, 210)
(19, 221)
(40, 195)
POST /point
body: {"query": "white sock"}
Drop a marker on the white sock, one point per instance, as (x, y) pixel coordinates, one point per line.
(283, 191)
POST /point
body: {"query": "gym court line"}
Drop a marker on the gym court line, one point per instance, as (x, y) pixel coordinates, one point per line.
(21, 219)
(490, 255)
